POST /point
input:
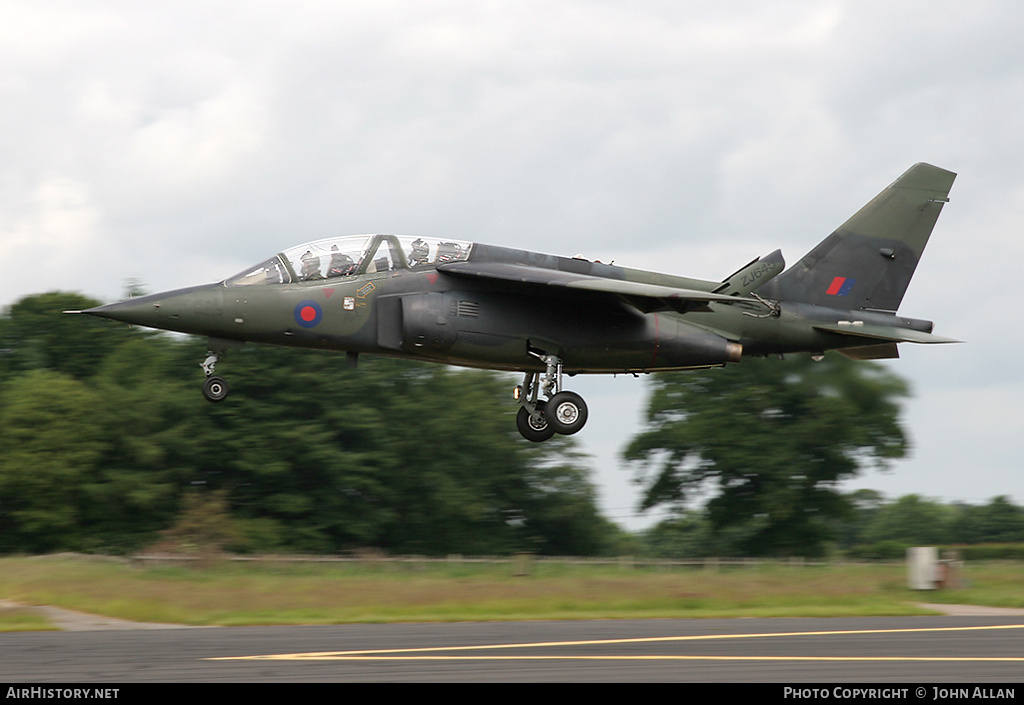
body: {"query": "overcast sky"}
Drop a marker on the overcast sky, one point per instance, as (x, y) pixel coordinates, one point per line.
(177, 143)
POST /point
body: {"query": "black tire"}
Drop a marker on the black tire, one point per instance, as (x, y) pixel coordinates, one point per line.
(530, 430)
(215, 389)
(566, 412)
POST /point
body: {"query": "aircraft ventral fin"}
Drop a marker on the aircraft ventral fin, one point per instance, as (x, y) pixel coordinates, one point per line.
(638, 294)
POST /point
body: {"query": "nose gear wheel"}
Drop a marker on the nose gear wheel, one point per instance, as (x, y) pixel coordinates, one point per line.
(215, 389)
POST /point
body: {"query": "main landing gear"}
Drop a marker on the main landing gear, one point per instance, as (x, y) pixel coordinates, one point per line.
(214, 388)
(563, 412)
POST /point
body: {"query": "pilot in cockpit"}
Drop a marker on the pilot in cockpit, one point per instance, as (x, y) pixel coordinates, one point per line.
(341, 264)
(420, 253)
(310, 266)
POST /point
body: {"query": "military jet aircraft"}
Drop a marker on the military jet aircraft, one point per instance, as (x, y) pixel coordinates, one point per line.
(476, 305)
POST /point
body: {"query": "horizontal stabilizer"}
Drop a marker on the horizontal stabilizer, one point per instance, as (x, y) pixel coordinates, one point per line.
(888, 333)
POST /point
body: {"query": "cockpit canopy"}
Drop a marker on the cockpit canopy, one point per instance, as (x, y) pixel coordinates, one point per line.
(350, 256)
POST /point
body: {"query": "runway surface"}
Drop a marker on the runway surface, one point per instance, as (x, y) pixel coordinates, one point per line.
(911, 650)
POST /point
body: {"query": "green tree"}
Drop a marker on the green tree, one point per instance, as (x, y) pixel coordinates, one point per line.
(999, 521)
(911, 520)
(203, 527)
(769, 441)
(686, 535)
(401, 456)
(149, 420)
(35, 334)
(52, 437)
(864, 505)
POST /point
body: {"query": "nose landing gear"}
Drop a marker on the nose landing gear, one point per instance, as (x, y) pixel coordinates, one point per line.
(215, 388)
(563, 412)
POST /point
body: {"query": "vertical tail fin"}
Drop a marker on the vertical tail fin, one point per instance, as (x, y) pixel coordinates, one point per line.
(869, 260)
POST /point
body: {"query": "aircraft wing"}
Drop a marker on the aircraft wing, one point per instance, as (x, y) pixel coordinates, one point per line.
(886, 333)
(644, 296)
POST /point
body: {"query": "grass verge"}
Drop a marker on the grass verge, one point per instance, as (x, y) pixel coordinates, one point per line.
(23, 620)
(266, 593)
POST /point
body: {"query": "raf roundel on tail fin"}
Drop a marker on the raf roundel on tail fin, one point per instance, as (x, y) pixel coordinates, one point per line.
(867, 263)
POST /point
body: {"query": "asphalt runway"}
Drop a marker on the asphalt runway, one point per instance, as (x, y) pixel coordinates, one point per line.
(917, 651)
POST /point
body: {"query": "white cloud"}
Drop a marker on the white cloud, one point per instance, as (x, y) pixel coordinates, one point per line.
(47, 236)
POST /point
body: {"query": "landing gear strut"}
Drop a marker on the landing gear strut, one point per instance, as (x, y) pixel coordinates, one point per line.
(214, 388)
(563, 412)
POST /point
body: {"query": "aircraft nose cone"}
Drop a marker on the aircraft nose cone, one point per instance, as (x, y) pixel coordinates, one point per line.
(193, 310)
(132, 311)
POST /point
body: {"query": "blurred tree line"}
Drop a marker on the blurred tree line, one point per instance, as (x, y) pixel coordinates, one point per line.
(108, 446)
(873, 527)
(107, 442)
